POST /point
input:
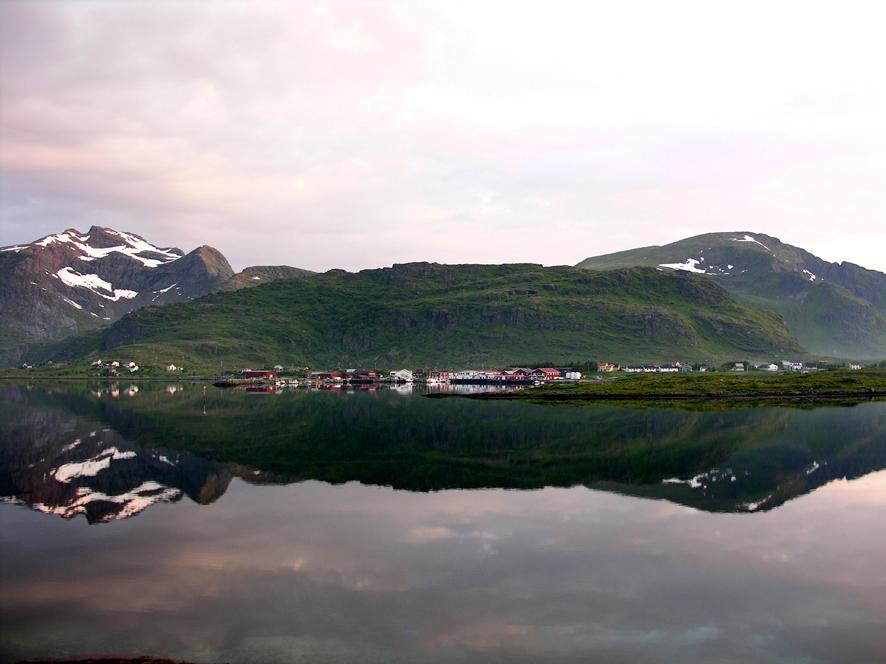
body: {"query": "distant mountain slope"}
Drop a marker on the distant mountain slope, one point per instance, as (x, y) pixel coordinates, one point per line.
(262, 274)
(835, 309)
(73, 281)
(447, 316)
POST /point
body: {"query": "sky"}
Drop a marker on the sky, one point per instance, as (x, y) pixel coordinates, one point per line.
(348, 134)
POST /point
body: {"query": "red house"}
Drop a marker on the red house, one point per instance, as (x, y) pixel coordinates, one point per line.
(545, 373)
(266, 375)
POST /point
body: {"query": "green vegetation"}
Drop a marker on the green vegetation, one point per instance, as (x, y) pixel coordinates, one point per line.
(718, 385)
(436, 316)
(834, 309)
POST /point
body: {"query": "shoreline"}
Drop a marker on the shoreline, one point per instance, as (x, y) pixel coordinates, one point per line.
(527, 395)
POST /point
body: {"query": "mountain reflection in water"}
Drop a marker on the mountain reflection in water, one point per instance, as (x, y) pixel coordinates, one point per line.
(245, 557)
(109, 452)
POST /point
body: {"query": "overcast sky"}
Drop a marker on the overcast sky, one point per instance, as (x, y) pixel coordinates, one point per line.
(359, 134)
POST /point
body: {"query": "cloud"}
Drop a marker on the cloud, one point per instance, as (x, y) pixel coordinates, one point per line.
(350, 134)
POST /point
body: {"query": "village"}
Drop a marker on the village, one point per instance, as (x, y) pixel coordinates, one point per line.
(523, 376)
(513, 375)
(516, 376)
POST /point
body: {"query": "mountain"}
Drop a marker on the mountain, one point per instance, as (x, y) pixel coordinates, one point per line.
(262, 274)
(834, 309)
(737, 460)
(424, 314)
(72, 281)
(58, 463)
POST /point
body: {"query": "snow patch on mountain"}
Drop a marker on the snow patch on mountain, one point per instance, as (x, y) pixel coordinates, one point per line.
(70, 277)
(809, 275)
(134, 501)
(751, 238)
(691, 265)
(132, 246)
(90, 467)
(71, 302)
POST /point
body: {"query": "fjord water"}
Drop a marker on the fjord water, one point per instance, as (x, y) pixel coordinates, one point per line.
(224, 526)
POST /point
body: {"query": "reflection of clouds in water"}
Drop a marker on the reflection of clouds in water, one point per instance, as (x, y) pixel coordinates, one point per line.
(556, 573)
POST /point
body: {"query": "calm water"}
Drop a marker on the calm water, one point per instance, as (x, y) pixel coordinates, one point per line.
(221, 526)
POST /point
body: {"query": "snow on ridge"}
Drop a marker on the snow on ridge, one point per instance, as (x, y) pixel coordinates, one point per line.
(691, 265)
(132, 246)
(16, 248)
(811, 276)
(158, 293)
(134, 501)
(92, 282)
(751, 238)
(68, 448)
(168, 288)
(91, 467)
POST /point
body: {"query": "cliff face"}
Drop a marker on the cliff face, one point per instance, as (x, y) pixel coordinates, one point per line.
(72, 281)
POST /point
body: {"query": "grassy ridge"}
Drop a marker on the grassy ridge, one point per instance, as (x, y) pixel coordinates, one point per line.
(834, 309)
(445, 317)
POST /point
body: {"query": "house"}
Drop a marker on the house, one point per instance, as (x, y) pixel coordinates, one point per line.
(738, 366)
(133, 367)
(856, 367)
(606, 367)
(260, 374)
(685, 368)
(766, 367)
(402, 376)
(319, 375)
(97, 363)
(573, 375)
(518, 373)
(115, 364)
(633, 368)
(670, 368)
(788, 365)
(355, 376)
(545, 373)
(651, 368)
(171, 367)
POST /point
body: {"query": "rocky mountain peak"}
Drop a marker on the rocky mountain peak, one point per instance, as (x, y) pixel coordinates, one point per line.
(71, 281)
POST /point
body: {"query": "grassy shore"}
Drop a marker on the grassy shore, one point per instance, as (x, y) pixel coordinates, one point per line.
(867, 383)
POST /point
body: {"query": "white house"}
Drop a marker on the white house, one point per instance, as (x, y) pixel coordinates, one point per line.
(171, 367)
(402, 375)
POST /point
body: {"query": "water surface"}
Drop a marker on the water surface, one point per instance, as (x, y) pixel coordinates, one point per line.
(220, 526)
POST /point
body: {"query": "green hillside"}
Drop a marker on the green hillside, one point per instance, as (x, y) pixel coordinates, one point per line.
(833, 309)
(443, 316)
(262, 274)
